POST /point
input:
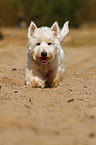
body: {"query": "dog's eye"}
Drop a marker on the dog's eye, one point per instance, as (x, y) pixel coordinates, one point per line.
(49, 43)
(38, 43)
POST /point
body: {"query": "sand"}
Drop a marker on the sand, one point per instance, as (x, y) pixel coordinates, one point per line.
(65, 115)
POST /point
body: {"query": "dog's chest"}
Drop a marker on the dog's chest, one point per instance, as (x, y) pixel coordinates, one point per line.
(45, 70)
(42, 69)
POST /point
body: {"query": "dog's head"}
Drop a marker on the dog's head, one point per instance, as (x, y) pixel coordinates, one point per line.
(44, 42)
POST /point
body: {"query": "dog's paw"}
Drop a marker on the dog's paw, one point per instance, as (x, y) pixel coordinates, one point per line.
(35, 83)
(27, 83)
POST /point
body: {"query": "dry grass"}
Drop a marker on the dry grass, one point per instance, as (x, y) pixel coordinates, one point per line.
(76, 37)
(81, 37)
(14, 36)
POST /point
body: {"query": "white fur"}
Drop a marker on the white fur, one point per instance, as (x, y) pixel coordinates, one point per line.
(64, 31)
(45, 71)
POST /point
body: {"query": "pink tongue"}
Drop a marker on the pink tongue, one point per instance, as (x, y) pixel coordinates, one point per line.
(44, 60)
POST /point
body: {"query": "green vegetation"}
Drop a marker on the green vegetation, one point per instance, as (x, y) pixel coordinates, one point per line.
(45, 12)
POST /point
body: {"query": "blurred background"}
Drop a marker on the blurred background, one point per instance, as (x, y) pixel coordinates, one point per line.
(19, 13)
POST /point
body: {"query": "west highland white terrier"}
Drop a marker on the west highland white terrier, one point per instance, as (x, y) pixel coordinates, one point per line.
(45, 55)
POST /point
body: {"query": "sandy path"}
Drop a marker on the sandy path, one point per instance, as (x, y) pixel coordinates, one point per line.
(58, 116)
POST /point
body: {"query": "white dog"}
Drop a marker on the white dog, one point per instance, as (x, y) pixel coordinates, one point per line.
(45, 55)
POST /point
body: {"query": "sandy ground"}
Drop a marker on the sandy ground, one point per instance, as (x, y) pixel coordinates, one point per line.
(53, 116)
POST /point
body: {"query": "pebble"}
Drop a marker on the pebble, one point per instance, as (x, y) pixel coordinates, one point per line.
(14, 69)
(70, 100)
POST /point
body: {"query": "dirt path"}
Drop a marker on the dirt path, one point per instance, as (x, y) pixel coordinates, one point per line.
(58, 116)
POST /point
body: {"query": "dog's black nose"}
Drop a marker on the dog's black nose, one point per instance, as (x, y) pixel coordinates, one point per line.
(43, 54)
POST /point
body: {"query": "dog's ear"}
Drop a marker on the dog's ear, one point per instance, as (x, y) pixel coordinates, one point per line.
(31, 29)
(64, 31)
(55, 28)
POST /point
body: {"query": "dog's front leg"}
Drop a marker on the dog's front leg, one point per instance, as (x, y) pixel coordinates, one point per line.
(32, 80)
(58, 77)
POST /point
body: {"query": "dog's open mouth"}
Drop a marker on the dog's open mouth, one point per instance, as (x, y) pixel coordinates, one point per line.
(43, 59)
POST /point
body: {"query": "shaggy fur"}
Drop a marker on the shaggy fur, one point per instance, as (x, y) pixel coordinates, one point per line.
(45, 55)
